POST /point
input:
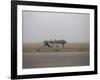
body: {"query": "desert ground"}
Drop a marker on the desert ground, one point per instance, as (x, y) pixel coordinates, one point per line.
(36, 47)
(36, 55)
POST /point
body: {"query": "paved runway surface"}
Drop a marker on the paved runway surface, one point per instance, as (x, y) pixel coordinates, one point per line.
(55, 59)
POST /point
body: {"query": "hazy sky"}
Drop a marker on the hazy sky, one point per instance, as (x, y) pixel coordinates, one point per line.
(40, 26)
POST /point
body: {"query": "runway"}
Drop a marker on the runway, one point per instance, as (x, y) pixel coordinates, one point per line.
(55, 59)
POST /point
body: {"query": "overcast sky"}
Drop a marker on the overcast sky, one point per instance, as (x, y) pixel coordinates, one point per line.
(40, 26)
